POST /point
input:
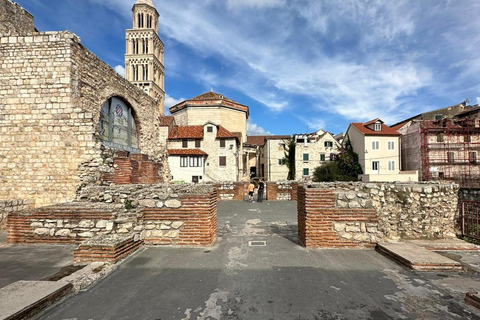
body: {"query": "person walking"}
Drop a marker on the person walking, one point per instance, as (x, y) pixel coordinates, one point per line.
(251, 187)
(261, 187)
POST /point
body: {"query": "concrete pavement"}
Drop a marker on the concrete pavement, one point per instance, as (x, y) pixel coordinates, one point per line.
(258, 270)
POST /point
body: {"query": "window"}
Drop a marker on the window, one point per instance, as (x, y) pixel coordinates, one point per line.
(333, 157)
(281, 146)
(281, 161)
(440, 137)
(195, 179)
(328, 144)
(375, 165)
(391, 145)
(117, 128)
(183, 161)
(222, 161)
(222, 143)
(305, 157)
(306, 171)
(378, 127)
(300, 140)
(391, 165)
(322, 156)
(375, 145)
(472, 157)
(209, 129)
(198, 143)
(195, 162)
(184, 143)
(438, 117)
(450, 157)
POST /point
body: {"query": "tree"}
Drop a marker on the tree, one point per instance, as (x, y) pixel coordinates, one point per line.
(345, 168)
(289, 159)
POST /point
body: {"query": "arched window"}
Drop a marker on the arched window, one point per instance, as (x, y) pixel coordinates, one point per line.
(117, 127)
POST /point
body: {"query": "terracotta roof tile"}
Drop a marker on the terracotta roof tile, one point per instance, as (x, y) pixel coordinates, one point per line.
(386, 130)
(186, 132)
(166, 121)
(256, 140)
(186, 152)
(224, 133)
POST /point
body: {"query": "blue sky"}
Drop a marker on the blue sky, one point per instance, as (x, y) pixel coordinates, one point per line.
(298, 64)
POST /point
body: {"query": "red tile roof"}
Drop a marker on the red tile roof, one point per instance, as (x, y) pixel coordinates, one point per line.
(386, 130)
(166, 121)
(256, 140)
(210, 99)
(186, 152)
(260, 140)
(224, 133)
(186, 132)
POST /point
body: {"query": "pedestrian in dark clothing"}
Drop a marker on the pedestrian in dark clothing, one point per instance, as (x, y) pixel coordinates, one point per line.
(261, 187)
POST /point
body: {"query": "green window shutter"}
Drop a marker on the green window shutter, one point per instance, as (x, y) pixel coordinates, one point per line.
(322, 157)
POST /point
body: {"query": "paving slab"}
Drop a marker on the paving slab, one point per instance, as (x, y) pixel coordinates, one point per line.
(445, 245)
(417, 257)
(22, 299)
(32, 262)
(258, 270)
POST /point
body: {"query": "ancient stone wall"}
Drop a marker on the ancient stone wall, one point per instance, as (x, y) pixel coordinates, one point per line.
(53, 91)
(360, 214)
(10, 206)
(14, 20)
(157, 214)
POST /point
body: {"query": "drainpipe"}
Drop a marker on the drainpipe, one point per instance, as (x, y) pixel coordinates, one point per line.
(269, 161)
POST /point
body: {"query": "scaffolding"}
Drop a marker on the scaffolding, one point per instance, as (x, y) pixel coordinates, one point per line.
(450, 150)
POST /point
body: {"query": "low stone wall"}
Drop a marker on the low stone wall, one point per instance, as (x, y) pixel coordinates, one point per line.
(282, 190)
(360, 214)
(275, 190)
(229, 190)
(158, 214)
(10, 206)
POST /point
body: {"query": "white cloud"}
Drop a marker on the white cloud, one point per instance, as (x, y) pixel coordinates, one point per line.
(170, 102)
(120, 70)
(255, 130)
(355, 58)
(478, 100)
(258, 4)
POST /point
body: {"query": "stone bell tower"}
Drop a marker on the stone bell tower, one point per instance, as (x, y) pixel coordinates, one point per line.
(144, 57)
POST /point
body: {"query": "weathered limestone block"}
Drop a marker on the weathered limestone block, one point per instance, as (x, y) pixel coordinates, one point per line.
(173, 203)
(339, 226)
(177, 224)
(149, 203)
(42, 231)
(86, 224)
(63, 233)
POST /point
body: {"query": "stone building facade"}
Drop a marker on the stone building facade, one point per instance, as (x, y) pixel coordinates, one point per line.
(54, 92)
(145, 50)
(220, 111)
(312, 150)
(203, 153)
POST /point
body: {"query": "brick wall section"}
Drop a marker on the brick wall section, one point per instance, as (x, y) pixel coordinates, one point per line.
(45, 225)
(284, 190)
(11, 206)
(90, 251)
(198, 213)
(134, 169)
(318, 217)
(14, 20)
